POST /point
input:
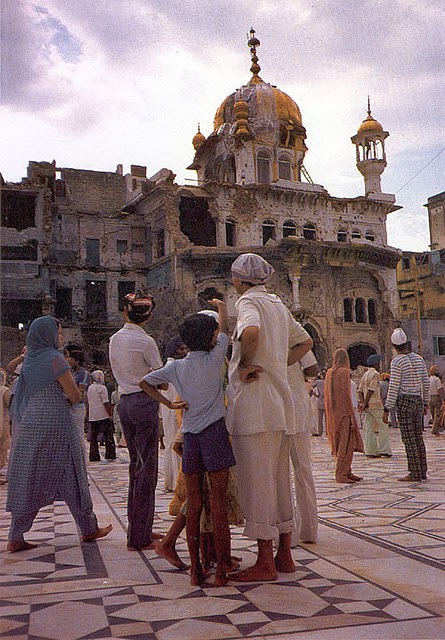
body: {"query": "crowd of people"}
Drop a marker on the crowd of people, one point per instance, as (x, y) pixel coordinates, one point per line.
(241, 426)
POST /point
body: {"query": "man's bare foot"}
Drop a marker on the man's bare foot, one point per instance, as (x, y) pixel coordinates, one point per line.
(145, 547)
(234, 564)
(221, 580)
(199, 578)
(344, 480)
(255, 573)
(101, 532)
(170, 555)
(14, 547)
(284, 562)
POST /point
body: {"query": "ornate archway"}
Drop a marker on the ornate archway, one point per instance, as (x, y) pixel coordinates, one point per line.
(359, 353)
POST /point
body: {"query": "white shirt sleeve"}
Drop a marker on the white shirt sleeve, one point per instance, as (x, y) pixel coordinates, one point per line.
(151, 354)
(297, 334)
(248, 316)
(103, 395)
(308, 360)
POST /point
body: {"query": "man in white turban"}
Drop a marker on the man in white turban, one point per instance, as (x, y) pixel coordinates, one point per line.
(261, 414)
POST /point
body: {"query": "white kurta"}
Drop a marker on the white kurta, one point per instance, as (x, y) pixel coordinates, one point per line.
(306, 523)
(261, 415)
(171, 459)
(266, 404)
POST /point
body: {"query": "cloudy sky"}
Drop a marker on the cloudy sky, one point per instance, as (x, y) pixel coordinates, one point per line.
(94, 84)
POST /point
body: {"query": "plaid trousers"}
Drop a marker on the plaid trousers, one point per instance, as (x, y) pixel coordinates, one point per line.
(410, 416)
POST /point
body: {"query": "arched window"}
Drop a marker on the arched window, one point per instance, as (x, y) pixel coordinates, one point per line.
(360, 311)
(342, 235)
(347, 310)
(230, 232)
(370, 235)
(372, 312)
(309, 231)
(263, 167)
(269, 231)
(289, 228)
(356, 235)
(284, 167)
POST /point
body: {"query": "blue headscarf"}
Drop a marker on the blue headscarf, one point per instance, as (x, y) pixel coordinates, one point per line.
(42, 365)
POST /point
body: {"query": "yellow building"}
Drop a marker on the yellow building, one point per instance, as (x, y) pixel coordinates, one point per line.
(421, 286)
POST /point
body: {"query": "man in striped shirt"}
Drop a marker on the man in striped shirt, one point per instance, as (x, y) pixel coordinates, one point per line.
(409, 393)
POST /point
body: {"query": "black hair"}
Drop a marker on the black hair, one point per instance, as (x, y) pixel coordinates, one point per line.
(75, 351)
(197, 331)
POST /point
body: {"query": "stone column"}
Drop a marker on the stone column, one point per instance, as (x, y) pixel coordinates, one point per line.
(295, 279)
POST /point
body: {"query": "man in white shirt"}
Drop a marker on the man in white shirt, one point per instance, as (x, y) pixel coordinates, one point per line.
(99, 413)
(261, 414)
(306, 522)
(377, 442)
(133, 354)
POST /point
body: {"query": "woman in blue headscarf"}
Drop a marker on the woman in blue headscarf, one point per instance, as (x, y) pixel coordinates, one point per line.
(47, 463)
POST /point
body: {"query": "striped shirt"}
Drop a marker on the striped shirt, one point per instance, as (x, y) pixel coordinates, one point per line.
(409, 376)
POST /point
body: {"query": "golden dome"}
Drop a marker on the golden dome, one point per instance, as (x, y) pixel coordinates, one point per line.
(370, 125)
(287, 109)
(262, 96)
(264, 101)
(198, 139)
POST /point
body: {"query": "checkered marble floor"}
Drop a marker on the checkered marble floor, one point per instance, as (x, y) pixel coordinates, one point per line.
(377, 570)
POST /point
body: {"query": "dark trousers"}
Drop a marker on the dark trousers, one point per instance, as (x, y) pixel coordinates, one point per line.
(139, 417)
(410, 416)
(106, 428)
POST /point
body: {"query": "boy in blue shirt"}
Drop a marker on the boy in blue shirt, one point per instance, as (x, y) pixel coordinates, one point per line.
(197, 379)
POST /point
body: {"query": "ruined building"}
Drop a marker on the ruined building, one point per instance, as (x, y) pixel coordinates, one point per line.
(421, 284)
(68, 249)
(89, 236)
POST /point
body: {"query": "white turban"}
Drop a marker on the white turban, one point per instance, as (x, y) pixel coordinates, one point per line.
(209, 312)
(399, 337)
(249, 267)
(98, 376)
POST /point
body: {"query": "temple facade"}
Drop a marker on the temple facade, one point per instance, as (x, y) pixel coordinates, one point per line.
(96, 235)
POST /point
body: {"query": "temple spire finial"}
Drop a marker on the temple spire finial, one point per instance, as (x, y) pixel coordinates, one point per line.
(253, 43)
(369, 106)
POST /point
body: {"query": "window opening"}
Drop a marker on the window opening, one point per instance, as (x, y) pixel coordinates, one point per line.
(230, 233)
(92, 252)
(289, 229)
(263, 167)
(284, 168)
(347, 310)
(121, 246)
(95, 300)
(372, 312)
(360, 311)
(269, 231)
(309, 231)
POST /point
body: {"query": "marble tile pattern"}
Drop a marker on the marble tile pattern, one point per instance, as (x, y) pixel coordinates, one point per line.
(375, 572)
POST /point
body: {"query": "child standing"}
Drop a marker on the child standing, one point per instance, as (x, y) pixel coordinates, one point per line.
(197, 379)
